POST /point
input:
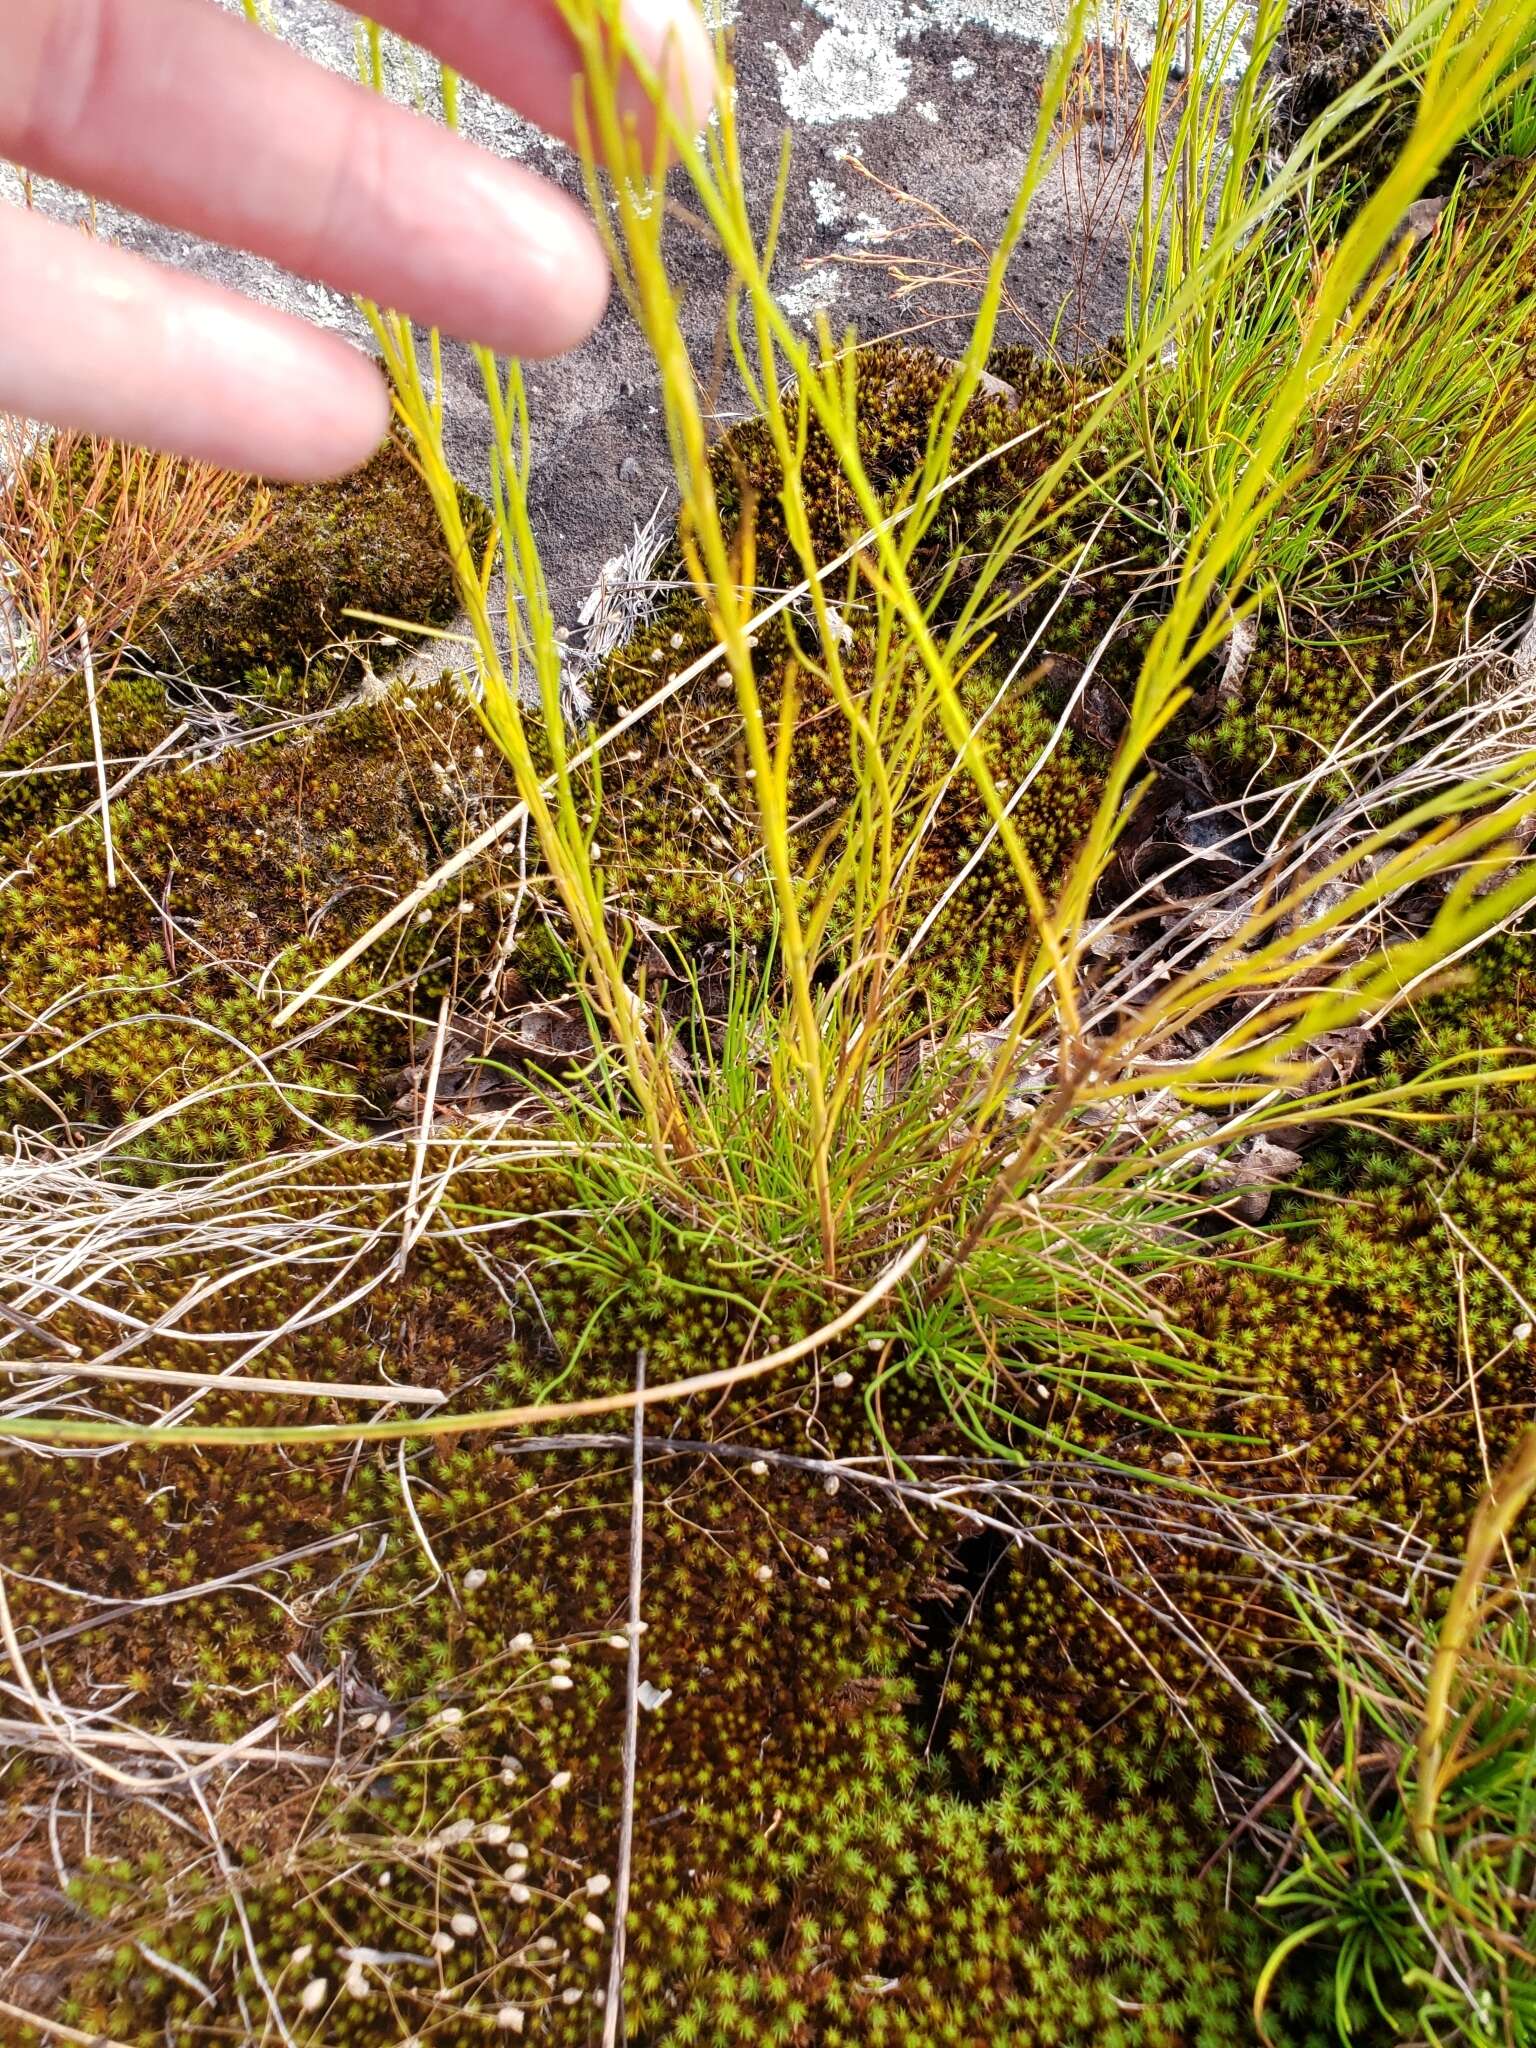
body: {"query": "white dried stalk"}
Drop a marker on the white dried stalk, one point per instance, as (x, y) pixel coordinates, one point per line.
(104, 794)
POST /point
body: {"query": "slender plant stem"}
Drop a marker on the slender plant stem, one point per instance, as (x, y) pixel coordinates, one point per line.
(1499, 1510)
(613, 2010)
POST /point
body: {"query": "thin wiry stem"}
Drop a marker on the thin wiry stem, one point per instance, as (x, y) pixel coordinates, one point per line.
(613, 2010)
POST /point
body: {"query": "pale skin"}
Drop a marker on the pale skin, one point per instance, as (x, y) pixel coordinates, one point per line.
(187, 114)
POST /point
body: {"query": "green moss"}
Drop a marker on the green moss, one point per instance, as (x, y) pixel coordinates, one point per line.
(806, 1867)
(47, 759)
(241, 874)
(1363, 1336)
(1364, 1362)
(270, 625)
(277, 614)
(236, 878)
(1299, 697)
(680, 827)
(679, 831)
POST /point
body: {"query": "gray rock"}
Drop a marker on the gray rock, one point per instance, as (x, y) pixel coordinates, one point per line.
(905, 115)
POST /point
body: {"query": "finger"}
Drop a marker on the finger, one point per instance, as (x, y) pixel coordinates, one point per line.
(189, 115)
(523, 53)
(96, 338)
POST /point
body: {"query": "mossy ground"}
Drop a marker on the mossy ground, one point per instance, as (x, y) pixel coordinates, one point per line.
(819, 1858)
(901, 1788)
(1406, 1265)
(236, 876)
(811, 1865)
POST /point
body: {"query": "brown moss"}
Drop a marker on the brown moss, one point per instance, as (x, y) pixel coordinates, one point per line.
(48, 769)
(239, 878)
(801, 1872)
(1364, 1363)
(368, 542)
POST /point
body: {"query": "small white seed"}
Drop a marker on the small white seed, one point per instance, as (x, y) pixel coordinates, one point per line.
(312, 1997)
(598, 1883)
(464, 1925)
(475, 1579)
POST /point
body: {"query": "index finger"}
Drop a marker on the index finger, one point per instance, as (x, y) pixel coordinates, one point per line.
(186, 114)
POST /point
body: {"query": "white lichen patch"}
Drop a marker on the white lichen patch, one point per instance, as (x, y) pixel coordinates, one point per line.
(812, 293)
(859, 67)
(851, 72)
(828, 202)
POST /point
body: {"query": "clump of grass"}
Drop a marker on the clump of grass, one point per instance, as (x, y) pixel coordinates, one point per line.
(914, 683)
(1411, 1852)
(1410, 454)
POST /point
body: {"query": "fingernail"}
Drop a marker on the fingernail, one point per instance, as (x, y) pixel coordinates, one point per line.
(670, 35)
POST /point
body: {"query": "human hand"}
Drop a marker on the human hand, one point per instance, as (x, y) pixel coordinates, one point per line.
(192, 116)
